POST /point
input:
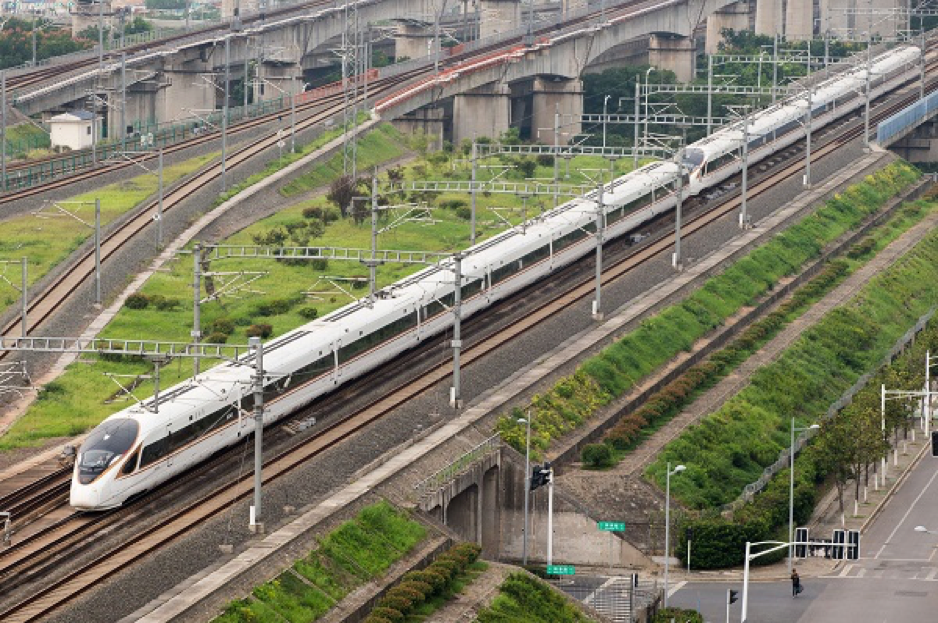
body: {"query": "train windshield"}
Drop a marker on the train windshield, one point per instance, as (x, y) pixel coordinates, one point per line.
(693, 158)
(105, 445)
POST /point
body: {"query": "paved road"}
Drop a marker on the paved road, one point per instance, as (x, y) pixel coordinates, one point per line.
(895, 580)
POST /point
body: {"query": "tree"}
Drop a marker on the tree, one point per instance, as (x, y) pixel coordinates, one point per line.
(341, 192)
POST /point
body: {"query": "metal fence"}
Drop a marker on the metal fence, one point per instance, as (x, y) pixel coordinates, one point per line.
(612, 597)
(750, 490)
(433, 483)
(906, 118)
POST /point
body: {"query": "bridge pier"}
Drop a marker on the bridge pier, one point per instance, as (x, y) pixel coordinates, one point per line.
(549, 95)
(733, 17)
(832, 13)
(799, 19)
(427, 121)
(674, 53)
(499, 16)
(485, 111)
(183, 91)
(287, 76)
(412, 41)
(921, 145)
(769, 19)
(85, 15)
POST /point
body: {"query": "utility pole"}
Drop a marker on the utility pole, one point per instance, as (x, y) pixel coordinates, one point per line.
(775, 64)
(123, 131)
(159, 205)
(293, 117)
(224, 116)
(807, 166)
(373, 264)
(676, 261)
(256, 525)
(556, 143)
(3, 131)
(710, 92)
(24, 274)
(196, 303)
(743, 216)
(455, 397)
(605, 114)
(600, 214)
(550, 517)
(472, 213)
(97, 251)
(869, 70)
(638, 97)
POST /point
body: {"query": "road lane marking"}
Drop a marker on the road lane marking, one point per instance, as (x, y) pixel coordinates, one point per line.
(676, 588)
(845, 571)
(906, 516)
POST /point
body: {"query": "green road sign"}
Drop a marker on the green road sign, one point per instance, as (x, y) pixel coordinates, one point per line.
(612, 526)
(560, 570)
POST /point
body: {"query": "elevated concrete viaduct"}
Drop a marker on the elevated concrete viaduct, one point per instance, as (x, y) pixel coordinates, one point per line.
(549, 73)
(169, 84)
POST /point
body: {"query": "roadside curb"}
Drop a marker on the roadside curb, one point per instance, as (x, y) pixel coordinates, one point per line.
(892, 491)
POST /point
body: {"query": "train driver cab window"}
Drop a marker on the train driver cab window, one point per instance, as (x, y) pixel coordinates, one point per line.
(105, 446)
(130, 465)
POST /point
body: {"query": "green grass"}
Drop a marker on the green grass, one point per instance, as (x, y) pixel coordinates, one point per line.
(358, 551)
(730, 448)
(277, 298)
(524, 599)
(658, 339)
(24, 138)
(50, 237)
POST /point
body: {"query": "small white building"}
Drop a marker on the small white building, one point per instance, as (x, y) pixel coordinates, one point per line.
(71, 129)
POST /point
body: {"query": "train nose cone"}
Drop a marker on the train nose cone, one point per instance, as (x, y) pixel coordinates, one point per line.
(84, 497)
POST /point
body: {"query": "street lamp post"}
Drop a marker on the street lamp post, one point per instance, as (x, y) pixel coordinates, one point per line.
(527, 485)
(749, 557)
(667, 526)
(605, 104)
(791, 488)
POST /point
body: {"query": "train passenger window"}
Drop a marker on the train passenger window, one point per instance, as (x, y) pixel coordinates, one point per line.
(105, 445)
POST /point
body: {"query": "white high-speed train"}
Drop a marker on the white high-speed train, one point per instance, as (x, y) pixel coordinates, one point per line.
(136, 449)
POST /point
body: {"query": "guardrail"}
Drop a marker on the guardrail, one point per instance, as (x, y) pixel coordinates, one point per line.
(438, 479)
(750, 490)
(906, 119)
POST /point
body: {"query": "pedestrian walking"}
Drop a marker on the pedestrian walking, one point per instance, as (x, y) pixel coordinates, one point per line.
(795, 583)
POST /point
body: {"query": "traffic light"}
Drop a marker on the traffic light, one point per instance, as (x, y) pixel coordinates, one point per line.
(540, 475)
(732, 596)
(934, 443)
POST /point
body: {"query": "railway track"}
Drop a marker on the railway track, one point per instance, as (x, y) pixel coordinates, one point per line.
(44, 303)
(75, 534)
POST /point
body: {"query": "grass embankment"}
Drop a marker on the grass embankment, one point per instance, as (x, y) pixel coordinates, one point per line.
(287, 158)
(525, 599)
(25, 140)
(617, 369)
(637, 426)
(358, 551)
(730, 448)
(421, 593)
(48, 238)
(289, 295)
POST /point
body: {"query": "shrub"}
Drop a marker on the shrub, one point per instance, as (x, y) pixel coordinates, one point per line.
(453, 204)
(545, 160)
(163, 303)
(216, 337)
(464, 212)
(387, 614)
(137, 300)
(223, 325)
(272, 308)
(397, 601)
(262, 330)
(319, 264)
(679, 615)
(597, 455)
(309, 313)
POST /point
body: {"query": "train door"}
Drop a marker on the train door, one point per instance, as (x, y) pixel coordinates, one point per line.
(170, 450)
(338, 364)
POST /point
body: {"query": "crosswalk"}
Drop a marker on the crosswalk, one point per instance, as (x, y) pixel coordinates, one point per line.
(888, 570)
